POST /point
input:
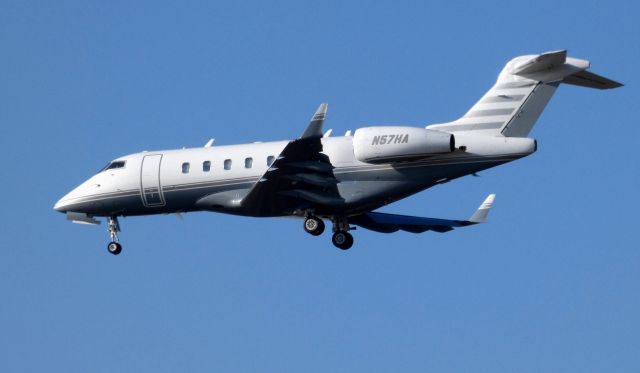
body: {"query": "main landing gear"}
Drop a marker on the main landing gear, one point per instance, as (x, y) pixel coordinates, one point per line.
(114, 246)
(313, 225)
(341, 238)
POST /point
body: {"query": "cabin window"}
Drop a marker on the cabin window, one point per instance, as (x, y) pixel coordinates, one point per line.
(227, 164)
(270, 160)
(185, 168)
(248, 162)
(206, 166)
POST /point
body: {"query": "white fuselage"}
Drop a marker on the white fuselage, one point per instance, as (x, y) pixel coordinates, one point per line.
(153, 182)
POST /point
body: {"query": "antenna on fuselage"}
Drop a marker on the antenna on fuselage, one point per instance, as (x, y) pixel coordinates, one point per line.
(209, 143)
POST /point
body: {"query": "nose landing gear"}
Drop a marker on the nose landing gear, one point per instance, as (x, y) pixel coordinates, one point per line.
(114, 246)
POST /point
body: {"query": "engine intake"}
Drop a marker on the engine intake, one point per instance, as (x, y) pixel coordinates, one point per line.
(396, 144)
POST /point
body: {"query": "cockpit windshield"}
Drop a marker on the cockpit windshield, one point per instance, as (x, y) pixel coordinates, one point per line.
(114, 164)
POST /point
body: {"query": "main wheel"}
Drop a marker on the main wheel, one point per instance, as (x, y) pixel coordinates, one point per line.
(313, 225)
(342, 240)
(114, 248)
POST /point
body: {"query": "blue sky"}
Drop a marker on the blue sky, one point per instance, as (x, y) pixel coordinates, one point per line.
(551, 283)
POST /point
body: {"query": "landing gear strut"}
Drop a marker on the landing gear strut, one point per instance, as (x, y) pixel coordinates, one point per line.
(114, 246)
(313, 225)
(341, 238)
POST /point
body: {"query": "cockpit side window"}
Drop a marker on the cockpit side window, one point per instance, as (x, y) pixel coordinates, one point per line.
(114, 165)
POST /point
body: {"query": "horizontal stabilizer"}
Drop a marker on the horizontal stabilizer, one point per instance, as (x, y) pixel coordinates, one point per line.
(389, 223)
(591, 80)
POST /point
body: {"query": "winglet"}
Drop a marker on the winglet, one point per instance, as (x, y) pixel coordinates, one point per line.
(480, 216)
(314, 129)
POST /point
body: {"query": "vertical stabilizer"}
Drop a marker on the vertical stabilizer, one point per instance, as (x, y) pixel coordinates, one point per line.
(524, 87)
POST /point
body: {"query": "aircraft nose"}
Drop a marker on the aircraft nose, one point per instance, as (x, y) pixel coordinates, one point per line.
(65, 203)
(60, 206)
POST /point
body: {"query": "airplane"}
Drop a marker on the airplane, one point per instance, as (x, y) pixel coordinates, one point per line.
(343, 179)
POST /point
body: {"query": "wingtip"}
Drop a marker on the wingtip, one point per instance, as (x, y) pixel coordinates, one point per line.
(321, 112)
(314, 129)
(615, 84)
(322, 109)
(480, 216)
(489, 200)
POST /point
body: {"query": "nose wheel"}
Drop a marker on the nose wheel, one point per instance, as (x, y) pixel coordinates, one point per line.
(114, 246)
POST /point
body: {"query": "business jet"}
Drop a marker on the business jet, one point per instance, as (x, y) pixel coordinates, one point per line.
(341, 179)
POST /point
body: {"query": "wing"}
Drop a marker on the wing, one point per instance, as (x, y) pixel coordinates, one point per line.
(389, 223)
(300, 178)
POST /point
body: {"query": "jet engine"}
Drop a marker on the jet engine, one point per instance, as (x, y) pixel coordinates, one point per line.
(394, 144)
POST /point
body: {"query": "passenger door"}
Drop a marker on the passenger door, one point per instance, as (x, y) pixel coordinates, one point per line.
(151, 190)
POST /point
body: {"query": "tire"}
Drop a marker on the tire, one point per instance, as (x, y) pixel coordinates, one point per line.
(342, 240)
(114, 248)
(313, 225)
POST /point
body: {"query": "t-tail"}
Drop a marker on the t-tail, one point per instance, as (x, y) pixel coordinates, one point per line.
(523, 89)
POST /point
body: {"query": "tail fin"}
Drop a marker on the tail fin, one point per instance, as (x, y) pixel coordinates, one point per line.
(523, 89)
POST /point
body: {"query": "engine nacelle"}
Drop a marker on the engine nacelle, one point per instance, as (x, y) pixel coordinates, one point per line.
(393, 144)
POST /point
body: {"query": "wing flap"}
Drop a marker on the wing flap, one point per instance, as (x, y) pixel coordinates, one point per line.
(313, 197)
(313, 179)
